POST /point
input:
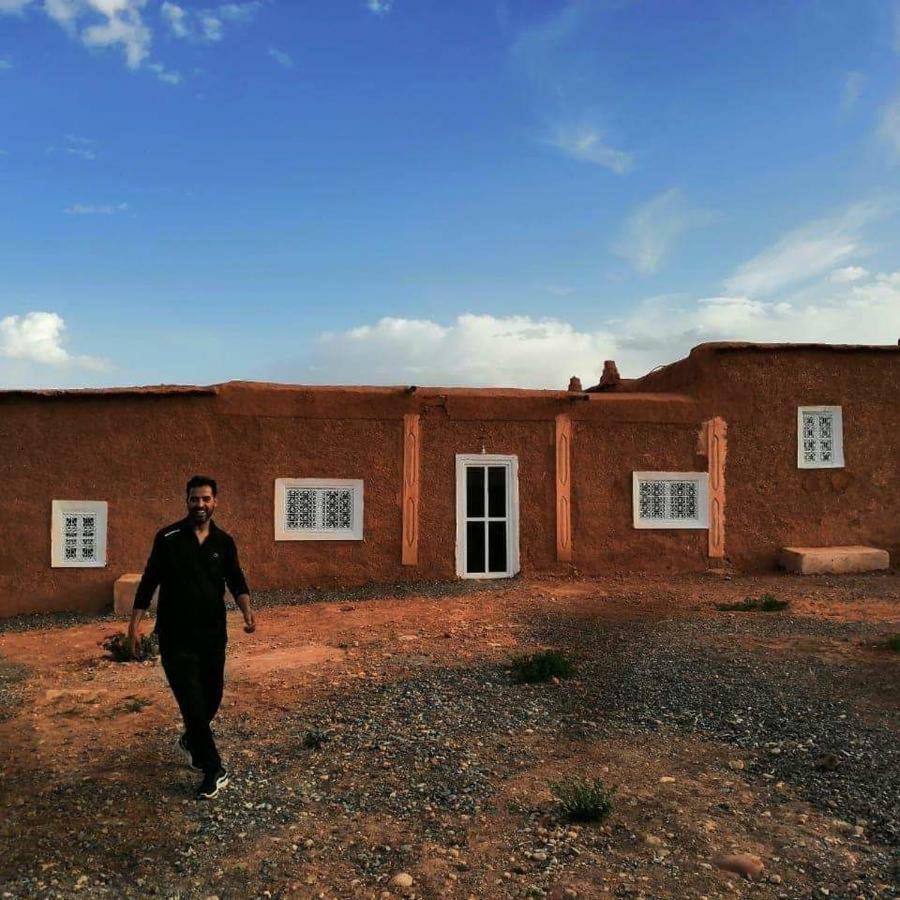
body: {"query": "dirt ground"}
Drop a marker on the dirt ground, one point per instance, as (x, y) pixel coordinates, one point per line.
(768, 734)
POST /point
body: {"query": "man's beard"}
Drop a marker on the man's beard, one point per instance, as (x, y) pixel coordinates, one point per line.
(201, 515)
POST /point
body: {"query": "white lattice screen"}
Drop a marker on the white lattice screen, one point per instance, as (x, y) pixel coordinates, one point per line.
(671, 499)
(819, 437)
(318, 509)
(78, 533)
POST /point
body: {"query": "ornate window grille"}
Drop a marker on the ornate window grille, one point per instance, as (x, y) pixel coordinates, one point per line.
(820, 439)
(78, 533)
(671, 499)
(318, 509)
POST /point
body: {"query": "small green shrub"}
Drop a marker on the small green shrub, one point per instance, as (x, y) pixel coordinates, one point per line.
(117, 647)
(766, 603)
(583, 799)
(314, 738)
(541, 666)
(893, 643)
(135, 704)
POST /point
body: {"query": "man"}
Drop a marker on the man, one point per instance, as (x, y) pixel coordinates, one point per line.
(191, 562)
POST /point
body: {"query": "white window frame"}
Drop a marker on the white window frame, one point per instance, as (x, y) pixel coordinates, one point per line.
(837, 435)
(59, 509)
(282, 533)
(464, 461)
(702, 479)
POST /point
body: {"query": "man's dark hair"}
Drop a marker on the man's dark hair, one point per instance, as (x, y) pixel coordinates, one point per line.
(202, 481)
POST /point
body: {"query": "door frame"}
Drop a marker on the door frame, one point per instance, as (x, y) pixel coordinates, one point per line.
(464, 461)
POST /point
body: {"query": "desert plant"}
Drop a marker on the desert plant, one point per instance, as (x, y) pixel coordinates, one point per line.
(541, 666)
(583, 799)
(893, 643)
(135, 704)
(117, 647)
(314, 738)
(766, 603)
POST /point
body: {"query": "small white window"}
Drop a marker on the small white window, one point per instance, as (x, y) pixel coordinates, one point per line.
(318, 509)
(820, 437)
(671, 499)
(78, 534)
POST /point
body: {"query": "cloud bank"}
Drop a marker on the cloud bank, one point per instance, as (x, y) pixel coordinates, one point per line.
(38, 337)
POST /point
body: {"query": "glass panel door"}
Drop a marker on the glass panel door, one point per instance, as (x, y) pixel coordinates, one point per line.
(487, 519)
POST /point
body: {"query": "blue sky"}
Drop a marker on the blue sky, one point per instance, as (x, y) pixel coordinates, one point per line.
(419, 191)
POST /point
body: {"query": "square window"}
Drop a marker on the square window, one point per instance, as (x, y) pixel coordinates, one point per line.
(671, 499)
(78, 534)
(820, 437)
(318, 509)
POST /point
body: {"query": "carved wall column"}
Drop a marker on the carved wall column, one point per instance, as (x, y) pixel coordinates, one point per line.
(410, 497)
(563, 488)
(716, 450)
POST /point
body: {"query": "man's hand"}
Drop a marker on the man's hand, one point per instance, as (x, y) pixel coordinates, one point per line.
(243, 602)
(134, 633)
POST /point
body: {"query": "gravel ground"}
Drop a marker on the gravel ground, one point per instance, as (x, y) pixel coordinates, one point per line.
(793, 713)
(429, 747)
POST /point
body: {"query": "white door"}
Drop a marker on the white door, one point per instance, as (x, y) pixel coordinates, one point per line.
(487, 516)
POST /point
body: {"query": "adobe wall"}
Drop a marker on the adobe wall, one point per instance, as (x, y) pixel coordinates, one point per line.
(770, 501)
(136, 451)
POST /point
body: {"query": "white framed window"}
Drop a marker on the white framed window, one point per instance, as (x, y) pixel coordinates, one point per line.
(820, 437)
(487, 516)
(78, 534)
(671, 499)
(318, 509)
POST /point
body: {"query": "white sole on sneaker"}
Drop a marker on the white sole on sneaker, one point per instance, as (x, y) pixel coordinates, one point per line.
(221, 782)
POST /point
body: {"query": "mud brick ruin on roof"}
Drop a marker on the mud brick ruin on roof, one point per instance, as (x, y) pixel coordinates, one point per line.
(726, 455)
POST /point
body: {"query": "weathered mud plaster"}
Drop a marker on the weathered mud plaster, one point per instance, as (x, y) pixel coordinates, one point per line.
(135, 449)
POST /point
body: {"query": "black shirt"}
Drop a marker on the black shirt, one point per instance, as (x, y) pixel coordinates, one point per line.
(191, 578)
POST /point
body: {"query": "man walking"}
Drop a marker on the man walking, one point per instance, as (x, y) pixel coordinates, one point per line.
(191, 562)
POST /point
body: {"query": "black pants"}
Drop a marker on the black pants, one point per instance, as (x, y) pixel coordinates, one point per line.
(197, 676)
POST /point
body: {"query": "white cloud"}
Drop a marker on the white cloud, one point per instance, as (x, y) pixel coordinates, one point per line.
(282, 58)
(82, 147)
(474, 350)
(13, 6)
(379, 7)
(654, 228)
(851, 89)
(847, 274)
(239, 12)
(206, 24)
(84, 209)
(805, 253)
(587, 144)
(519, 351)
(169, 76)
(5, 64)
(889, 129)
(211, 26)
(176, 18)
(896, 26)
(556, 64)
(38, 337)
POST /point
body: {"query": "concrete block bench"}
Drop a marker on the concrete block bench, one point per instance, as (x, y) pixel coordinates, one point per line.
(833, 560)
(126, 587)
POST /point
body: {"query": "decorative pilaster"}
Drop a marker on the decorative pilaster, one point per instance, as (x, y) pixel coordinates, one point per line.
(410, 497)
(716, 450)
(563, 488)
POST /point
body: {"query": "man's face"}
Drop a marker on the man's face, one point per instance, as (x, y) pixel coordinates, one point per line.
(201, 504)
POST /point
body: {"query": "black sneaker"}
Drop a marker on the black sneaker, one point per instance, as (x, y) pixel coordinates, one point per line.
(185, 751)
(212, 783)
